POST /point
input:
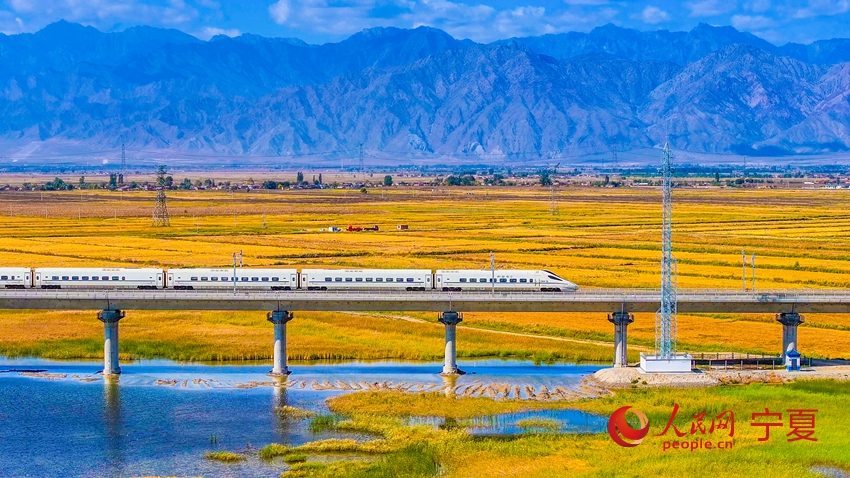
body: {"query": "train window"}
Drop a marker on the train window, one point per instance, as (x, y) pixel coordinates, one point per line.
(4, 277)
(379, 279)
(194, 278)
(462, 280)
(95, 277)
(255, 279)
(85, 277)
(428, 279)
(75, 277)
(265, 279)
(104, 278)
(513, 280)
(204, 279)
(473, 280)
(328, 279)
(64, 277)
(123, 278)
(244, 279)
(348, 279)
(503, 280)
(224, 279)
(55, 277)
(556, 278)
(389, 279)
(359, 279)
(523, 281)
(275, 279)
(368, 279)
(338, 279)
(214, 279)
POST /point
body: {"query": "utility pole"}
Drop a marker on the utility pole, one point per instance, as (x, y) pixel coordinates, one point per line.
(361, 158)
(237, 259)
(493, 272)
(554, 189)
(264, 220)
(743, 271)
(754, 273)
(123, 165)
(234, 273)
(160, 211)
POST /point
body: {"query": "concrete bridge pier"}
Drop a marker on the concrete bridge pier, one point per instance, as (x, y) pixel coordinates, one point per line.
(621, 321)
(110, 320)
(450, 320)
(789, 321)
(279, 318)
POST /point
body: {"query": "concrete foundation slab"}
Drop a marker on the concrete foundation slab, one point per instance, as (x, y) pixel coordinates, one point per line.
(680, 363)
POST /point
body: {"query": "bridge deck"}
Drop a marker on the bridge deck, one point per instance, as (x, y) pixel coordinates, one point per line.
(584, 300)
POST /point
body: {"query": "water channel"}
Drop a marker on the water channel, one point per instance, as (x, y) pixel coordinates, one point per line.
(160, 417)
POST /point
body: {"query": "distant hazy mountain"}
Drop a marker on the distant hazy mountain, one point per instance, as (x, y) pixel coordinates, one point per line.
(422, 92)
(677, 47)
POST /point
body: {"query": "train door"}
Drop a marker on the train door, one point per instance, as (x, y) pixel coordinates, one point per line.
(169, 281)
(159, 280)
(293, 281)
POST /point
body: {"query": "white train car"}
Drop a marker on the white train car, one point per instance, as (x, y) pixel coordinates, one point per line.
(245, 279)
(98, 278)
(15, 277)
(519, 280)
(366, 279)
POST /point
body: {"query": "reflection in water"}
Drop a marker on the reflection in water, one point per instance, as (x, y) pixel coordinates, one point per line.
(279, 399)
(164, 416)
(113, 434)
(449, 384)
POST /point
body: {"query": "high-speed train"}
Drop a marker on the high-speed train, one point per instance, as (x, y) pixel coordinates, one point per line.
(282, 279)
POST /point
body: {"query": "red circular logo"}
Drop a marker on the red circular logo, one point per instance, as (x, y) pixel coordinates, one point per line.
(618, 426)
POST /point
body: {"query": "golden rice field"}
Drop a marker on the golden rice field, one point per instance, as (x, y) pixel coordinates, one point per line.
(598, 238)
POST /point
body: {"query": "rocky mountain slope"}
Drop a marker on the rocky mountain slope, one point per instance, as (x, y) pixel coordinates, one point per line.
(421, 92)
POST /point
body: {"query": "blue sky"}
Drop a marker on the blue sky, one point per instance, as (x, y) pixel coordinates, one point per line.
(318, 21)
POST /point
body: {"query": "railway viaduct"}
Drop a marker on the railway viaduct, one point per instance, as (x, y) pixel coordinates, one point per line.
(618, 304)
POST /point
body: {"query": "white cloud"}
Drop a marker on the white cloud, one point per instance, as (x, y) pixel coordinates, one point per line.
(586, 2)
(208, 32)
(758, 6)
(479, 22)
(752, 22)
(710, 8)
(103, 13)
(653, 15)
(817, 8)
(279, 11)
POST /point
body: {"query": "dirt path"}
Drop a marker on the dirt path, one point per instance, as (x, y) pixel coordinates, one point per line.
(501, 332)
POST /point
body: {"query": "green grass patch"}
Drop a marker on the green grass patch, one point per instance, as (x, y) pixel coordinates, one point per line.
(274, 450)
(291, 458)
(322, 423)
(398, 404)
(292, 413)
(224, 456)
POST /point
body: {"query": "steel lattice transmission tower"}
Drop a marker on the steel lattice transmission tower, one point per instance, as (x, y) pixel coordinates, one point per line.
(665, 318)
(160, 211)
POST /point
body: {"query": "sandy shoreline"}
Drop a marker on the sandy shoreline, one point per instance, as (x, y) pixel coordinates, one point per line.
(632, 377)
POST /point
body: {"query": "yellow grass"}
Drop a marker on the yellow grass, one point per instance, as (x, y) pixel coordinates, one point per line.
(599, 238)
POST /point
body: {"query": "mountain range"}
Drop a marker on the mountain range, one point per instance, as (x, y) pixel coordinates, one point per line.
(421, 93)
